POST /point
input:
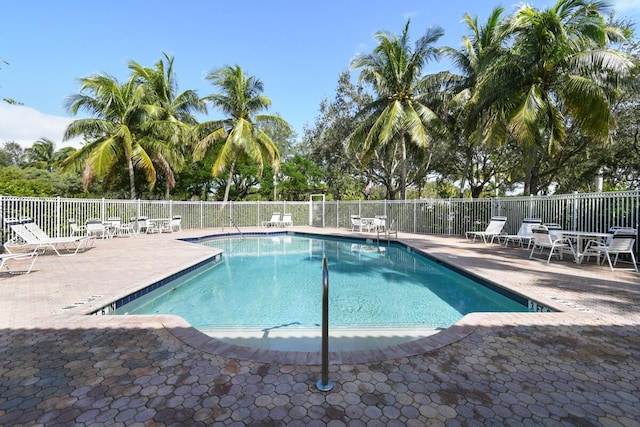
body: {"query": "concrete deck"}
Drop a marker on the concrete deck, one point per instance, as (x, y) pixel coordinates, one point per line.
(579, 366)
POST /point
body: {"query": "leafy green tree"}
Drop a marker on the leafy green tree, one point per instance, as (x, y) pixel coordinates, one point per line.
(240, 133)
(324, 142)
(399, 112)
(33, 182)
(558, 75)
(11, 153)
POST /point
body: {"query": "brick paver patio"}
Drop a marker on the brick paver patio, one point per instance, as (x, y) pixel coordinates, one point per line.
(577, 367)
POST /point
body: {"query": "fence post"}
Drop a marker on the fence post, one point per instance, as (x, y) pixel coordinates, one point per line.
(574, 220)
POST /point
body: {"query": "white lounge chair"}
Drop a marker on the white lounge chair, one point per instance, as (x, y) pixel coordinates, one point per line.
(5, 258)
(543, 240)
(40, 240)
(274, 221)
(286, 220)
(621, 242)
(493, 230)
(524, 234)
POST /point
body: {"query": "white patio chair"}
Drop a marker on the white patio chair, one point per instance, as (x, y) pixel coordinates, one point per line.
(621, 242)
(77, 230)
(524, 234)
(356, 222)
(117, 228)
(274, 221)
(493, 230)
(175, 224)
(96, 228)
(543, 240)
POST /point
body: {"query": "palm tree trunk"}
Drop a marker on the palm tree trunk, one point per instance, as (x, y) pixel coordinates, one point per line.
(229, 181)
(403, 169)
(132, 178)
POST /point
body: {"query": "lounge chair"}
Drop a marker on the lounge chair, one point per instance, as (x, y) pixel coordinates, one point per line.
(524, 235)
(40, 240)
(286, 220)
(274, 221)
(621, 242)
(543, 240)
(493, 230)
(4, 258)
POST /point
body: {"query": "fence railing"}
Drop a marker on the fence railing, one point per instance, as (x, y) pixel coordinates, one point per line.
(451, 217)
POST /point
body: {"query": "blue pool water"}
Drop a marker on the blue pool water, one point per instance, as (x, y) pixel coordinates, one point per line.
(272, 284)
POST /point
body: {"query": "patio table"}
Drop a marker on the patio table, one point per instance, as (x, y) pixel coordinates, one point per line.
(581, 238)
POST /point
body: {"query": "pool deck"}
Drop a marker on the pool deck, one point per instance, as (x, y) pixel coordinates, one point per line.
(579, 366)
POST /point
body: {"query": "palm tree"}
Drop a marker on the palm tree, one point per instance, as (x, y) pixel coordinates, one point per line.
(240, 133)
(170, 113)
(114, 132)
(42, 154)
(558, 72)
(400, 111)
(479, 49)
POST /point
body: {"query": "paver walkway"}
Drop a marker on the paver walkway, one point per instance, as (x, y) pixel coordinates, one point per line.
(577, 367)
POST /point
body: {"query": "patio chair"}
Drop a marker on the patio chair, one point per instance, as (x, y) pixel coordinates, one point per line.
(524, 234)
(356, 222)
(376, 224)
(4, 258)
(621, 242)
(79, 230)
(117, 228)
(96, 228)
(274, 221)
(543, 240)
(27, 238)
(175, 224)
(286, 220)
(493, 230)
(386, 232)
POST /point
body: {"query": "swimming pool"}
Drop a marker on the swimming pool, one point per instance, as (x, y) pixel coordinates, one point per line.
(266, 293)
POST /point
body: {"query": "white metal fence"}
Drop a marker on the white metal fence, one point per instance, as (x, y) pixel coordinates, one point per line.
(584, 212)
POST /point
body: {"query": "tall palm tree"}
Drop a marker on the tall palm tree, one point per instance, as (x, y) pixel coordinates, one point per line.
(559, 72)
(114, 129)
(240, 133)
(170, 113)
(479, 49)
(399, 111)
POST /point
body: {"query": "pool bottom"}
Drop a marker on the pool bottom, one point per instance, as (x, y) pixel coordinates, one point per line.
(309, 340)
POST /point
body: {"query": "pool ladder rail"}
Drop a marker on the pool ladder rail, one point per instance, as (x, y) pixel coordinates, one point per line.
(235, 226)
(324, 384)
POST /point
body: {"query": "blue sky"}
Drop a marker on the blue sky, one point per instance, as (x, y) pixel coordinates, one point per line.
(296, 47)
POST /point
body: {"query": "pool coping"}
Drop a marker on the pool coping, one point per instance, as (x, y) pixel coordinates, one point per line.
(191, 336)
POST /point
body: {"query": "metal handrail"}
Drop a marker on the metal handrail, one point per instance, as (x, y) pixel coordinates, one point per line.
(324, 384)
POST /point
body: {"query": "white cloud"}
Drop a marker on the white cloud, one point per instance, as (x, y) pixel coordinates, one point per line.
(26, 125)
